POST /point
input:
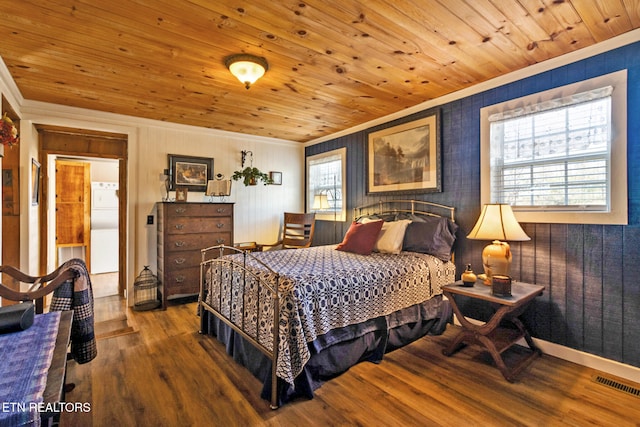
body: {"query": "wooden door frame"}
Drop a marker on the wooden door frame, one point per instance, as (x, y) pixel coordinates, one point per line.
(55, 140)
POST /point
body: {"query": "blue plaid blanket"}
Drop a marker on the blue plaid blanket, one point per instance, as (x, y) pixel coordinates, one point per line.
(77, 295)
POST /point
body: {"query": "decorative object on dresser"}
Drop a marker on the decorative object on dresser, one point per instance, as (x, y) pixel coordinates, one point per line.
(191, 172)
(218, 187)
(497, 222)
(182, 194)
(183, 230)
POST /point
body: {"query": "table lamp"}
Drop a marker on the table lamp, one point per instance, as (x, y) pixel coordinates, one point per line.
(497, 223)
(320, 202)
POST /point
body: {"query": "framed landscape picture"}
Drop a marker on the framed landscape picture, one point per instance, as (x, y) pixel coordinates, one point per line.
(406, 157)
(192, 173)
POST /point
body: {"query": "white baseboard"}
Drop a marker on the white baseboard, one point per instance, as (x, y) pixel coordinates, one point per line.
(588, 360)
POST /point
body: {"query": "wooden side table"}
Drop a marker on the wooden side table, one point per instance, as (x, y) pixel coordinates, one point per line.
(248, 246)
(490, 335)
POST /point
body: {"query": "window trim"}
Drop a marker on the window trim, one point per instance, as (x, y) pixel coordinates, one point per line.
(339, 215)
(618, 213)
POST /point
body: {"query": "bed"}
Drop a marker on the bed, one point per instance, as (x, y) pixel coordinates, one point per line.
(331, 306)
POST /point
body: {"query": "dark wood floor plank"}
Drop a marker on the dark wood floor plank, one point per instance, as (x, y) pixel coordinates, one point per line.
(168, 374)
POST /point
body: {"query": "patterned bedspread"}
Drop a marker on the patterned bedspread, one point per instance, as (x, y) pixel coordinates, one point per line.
(26, 358)
(322, 289)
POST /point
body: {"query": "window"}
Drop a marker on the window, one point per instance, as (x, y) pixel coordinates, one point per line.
(559, 155)
(326, 185)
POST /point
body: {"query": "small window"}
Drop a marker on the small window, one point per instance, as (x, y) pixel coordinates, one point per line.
(560, 153)
(326, 185)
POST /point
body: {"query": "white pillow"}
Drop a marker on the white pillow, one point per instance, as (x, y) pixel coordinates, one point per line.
(391, 237)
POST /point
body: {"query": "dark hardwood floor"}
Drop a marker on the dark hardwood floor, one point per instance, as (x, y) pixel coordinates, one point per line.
(166, 374)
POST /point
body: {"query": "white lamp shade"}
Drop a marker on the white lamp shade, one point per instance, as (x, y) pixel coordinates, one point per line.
(497, 222)
(320, 202)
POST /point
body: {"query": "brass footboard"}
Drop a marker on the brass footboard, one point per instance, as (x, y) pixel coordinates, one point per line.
(245, 299)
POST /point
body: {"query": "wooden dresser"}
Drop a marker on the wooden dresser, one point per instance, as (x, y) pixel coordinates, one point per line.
(183, 230)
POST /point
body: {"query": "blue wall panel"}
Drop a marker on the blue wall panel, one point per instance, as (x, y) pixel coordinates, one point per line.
(592, 300)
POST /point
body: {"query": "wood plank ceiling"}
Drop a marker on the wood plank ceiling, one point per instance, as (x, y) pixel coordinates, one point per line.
(334, 64)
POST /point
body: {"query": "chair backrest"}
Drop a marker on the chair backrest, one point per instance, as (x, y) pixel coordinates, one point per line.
(298, 230)
(40, 285)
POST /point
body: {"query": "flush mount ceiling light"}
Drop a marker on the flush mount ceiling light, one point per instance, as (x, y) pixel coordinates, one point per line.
(247, 68)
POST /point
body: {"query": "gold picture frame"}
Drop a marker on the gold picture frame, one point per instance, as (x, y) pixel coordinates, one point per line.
(405, 158)
(182, 194)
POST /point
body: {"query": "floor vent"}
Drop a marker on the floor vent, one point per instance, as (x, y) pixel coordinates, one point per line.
(634, 391)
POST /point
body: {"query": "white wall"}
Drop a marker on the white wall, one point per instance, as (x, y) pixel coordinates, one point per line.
(258, 210)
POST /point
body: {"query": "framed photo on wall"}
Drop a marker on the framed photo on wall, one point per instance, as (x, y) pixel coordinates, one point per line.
(35, 182)
(191, 172)
(276, 177)
(406, 157)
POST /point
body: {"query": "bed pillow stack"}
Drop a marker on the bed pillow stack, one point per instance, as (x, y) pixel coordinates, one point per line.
(429, 235)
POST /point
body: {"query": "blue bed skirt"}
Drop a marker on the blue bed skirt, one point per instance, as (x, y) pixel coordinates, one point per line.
(335, 352)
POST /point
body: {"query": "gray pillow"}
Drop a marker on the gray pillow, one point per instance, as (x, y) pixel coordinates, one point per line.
(434, 236)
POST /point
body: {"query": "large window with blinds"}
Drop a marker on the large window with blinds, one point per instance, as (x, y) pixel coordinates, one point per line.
(560, 154)
(326, 185)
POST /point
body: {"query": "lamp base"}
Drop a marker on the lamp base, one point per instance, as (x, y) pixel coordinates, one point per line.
(496, 259)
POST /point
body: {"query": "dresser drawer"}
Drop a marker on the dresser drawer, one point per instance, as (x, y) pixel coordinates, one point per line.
(190, 242)
(182, 259)
(199, 209)
(182, 281)
(186, 225)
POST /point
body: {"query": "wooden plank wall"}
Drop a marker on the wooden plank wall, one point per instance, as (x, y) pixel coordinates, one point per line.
(592, 272)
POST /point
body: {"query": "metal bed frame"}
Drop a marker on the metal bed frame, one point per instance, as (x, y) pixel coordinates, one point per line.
(215, 255)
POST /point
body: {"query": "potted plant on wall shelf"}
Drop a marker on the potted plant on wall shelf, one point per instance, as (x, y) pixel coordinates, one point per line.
(251, 175)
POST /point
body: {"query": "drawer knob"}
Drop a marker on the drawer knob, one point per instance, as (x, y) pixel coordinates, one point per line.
(180, 260)
(180, 279)
(179, 226)
(221, 210)
(220, 225)
(180, 244)
(220, 241)
(181, 210)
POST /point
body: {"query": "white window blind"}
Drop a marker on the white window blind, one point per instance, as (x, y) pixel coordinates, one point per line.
(554, 155)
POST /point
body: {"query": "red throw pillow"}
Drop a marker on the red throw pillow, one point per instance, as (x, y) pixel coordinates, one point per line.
(361, 238)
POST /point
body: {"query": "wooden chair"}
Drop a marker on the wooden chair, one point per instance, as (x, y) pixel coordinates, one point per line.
(297, 232)
(40, 285)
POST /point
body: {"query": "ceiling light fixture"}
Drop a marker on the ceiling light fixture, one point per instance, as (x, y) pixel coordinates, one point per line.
(247, 68)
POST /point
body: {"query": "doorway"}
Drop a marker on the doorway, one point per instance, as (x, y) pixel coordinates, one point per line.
(86, 217)
(82, 145)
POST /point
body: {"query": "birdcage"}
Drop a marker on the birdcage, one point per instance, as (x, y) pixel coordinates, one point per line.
(145, 291)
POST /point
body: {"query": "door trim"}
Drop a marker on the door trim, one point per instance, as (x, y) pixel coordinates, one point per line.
(55, 140)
